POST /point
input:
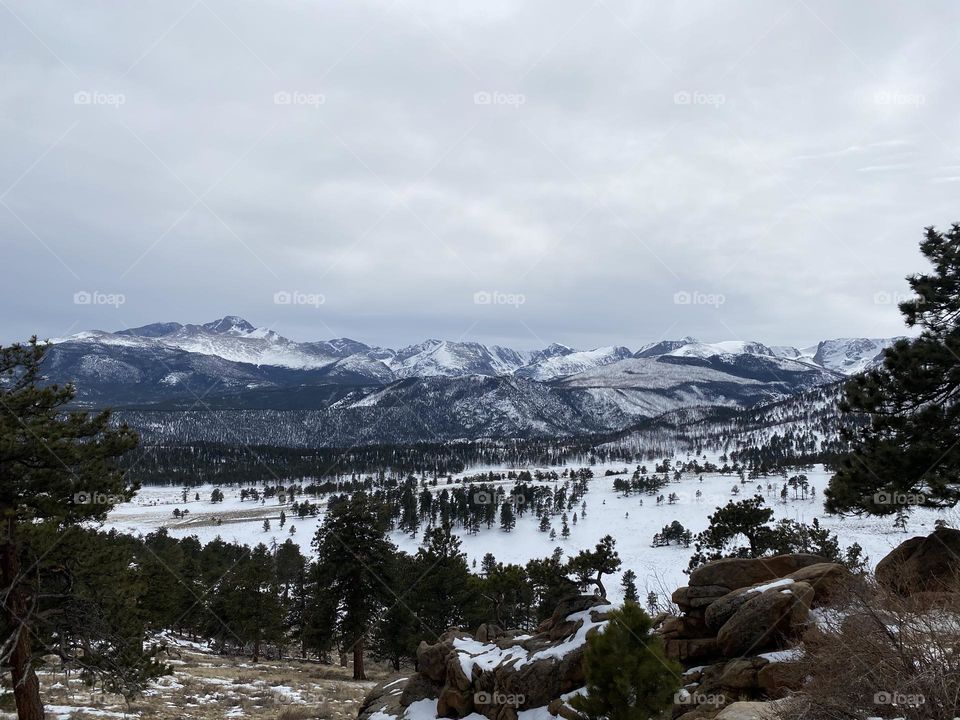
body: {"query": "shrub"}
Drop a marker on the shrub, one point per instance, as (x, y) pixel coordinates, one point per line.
(628, 676)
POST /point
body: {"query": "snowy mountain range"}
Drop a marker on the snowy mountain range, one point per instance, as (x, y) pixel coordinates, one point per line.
(235, 340)
(433, 390)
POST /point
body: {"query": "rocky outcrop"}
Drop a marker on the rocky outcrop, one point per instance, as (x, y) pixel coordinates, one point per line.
(740, 627)
(923, 564)
(741, 572)
(493, 672)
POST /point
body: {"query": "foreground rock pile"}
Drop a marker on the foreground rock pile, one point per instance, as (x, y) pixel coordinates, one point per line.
(740, 636)
(740, 627)
(495, 673)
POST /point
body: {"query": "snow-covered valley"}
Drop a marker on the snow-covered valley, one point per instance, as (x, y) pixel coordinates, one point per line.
(632, 521)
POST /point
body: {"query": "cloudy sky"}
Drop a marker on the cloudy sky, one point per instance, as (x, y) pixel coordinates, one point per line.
(588, 173)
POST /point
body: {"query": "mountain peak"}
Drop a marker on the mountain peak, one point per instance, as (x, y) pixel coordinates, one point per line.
(152, 330)
(229, 325)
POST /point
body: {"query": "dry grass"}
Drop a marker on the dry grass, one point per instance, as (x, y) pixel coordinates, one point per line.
(206, 687)
(879, 655)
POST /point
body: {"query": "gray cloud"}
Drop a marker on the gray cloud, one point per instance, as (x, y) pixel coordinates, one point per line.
(396, 158)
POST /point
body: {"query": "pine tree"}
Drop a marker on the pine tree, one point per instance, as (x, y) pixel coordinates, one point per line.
(908, 450)
(255, 613)
(397, 635)
(507, 519)
(54, 467)
(354, 558)
(591, 565)
(628, 676)
(746, 518)
(440, 596)
(629, 584)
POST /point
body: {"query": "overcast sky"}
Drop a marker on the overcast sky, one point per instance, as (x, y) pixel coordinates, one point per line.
(521, 173)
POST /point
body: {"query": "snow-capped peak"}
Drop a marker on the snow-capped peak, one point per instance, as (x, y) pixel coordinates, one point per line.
(229, 325)
(851, 355)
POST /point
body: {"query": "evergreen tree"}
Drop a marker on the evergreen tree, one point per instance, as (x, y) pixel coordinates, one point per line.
(907, 453)
(441, 595)
(550, 582)
(629, 584)
(591, 565)
(628, 676)
(354, 558)
(89, 610)
(746, 518)
(507, 519)
(397, 635)
(55, 467)
(254, 610)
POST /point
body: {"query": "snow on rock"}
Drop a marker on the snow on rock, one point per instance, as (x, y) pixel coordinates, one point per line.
(522, 663)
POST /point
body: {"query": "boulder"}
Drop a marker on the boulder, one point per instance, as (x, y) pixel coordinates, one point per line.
(417, 687)
(684, 627)
(722, 609)
(454, 703)
(574, 604)
(537, 683)
(691, 596)
(923, 564)
(735, 573)
(692, 650)
(766, 620)
(572, 671)
(826, 579)
(742, 674)
(432, 659)
(559, 708)
(383, 698)
(488, 632)
(455, 676)
(559, 624)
